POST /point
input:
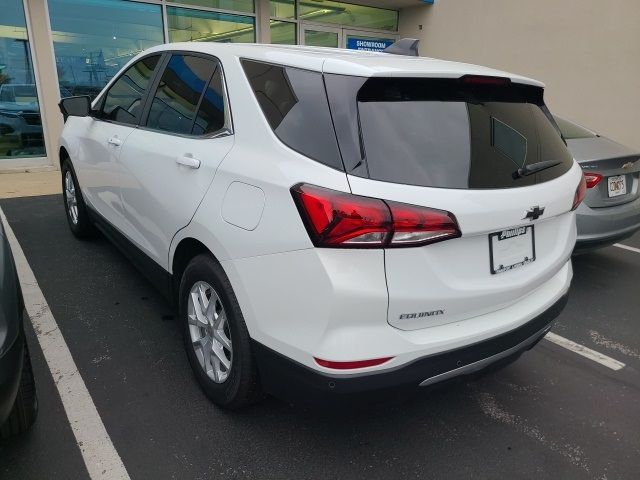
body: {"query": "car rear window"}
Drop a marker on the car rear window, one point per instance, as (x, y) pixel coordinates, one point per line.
(446, 133)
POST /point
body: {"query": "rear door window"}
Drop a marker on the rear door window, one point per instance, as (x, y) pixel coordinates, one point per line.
(177, 98)
(445, 133)
(211, 116)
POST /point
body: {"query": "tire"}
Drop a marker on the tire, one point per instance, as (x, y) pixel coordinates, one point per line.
(25, 408)
(239, 385)
(80, 223)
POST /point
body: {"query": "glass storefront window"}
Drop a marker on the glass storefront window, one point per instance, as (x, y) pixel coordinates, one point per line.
(20, 123)
(94, 39)
(233, 5)
(321, 38)
(347, 14)
(283, 33)
(187, 25)
(283, 8)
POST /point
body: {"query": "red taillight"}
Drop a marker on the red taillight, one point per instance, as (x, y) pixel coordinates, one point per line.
(580, 193)
(419, 226)
(592, 179)
(374, 362)
(337, 219)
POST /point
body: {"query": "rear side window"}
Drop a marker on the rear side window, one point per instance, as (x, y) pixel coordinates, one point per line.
(123, 102)
(177, 98)
(295, 105)
(445, 133)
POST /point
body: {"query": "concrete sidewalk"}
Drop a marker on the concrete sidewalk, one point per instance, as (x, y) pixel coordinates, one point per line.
(30, 184)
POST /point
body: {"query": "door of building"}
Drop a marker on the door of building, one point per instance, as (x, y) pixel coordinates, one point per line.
(337, 37)
(321, 36)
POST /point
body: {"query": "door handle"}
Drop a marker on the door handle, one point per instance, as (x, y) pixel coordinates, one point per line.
(115, 141)
(188, 161)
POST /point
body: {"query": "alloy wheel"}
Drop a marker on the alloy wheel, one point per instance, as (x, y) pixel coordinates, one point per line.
(70, 196)
(209, 331)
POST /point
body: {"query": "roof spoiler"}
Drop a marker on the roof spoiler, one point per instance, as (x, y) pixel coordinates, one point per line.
(404, 46)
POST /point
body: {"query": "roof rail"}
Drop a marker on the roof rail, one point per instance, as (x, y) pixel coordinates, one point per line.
(404, 46)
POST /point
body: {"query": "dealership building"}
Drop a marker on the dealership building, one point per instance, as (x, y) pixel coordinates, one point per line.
(586, 52)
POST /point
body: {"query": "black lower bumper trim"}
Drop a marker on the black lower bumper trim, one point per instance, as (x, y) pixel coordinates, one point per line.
(297, 383)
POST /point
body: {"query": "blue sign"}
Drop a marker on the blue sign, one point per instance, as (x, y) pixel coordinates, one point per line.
(369, 44)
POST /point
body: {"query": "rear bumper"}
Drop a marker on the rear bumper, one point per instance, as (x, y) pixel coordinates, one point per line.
(600, 227)
(10, 375)
(298, 383)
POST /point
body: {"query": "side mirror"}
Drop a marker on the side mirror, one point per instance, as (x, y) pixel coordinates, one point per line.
(79, 106)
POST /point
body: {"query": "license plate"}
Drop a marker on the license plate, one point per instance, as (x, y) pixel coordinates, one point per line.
(511, 249)
(617, 185)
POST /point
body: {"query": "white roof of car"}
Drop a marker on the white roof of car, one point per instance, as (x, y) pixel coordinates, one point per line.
(346, 62)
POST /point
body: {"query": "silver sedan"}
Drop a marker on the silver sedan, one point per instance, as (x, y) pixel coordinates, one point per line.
(611, 209)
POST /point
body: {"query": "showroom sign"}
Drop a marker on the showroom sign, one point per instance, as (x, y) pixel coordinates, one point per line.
(368, 44)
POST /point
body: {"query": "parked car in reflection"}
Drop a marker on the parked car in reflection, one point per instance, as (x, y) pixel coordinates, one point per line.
(611, 209)
(18, 401)
(20, 124)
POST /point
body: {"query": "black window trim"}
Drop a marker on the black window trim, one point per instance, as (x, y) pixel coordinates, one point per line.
(96, 113)
(226, 130)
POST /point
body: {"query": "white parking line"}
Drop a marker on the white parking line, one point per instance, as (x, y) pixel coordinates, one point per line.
(586, 352)
(627, 247)
(99, 454)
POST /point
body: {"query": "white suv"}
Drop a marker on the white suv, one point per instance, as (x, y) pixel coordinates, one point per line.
(328, 221)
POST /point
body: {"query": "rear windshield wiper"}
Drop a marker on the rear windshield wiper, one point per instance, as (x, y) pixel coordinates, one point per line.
(535, 168)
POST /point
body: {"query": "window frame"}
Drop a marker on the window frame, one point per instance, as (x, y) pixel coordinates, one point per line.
(98, 113)
(226, 130)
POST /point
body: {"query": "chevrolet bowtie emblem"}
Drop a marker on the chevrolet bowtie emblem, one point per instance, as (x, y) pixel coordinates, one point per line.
(533, 213)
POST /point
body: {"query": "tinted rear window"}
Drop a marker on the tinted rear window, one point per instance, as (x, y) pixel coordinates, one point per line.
(444, 133)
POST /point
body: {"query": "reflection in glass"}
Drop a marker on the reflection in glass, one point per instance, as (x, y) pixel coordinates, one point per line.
(175, 103)
(326, 11)
(210, 118)
(317, 38)
(509, 141)
(299, 116)
(186, 25)
(283, 8)
(283, 33)
(20, 124)
(123, 101)
(233, 5)
(94, 39)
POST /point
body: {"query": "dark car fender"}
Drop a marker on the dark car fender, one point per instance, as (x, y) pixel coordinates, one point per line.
(11, 328)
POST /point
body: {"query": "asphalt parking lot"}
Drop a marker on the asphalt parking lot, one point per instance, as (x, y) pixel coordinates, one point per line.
(552, 414)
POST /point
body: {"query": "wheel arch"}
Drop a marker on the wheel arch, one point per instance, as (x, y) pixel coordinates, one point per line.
(63, 155)
(186, 249)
